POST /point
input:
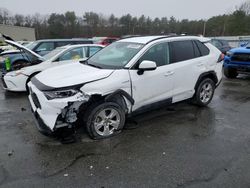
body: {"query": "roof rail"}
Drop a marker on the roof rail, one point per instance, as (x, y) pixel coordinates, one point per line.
(162, 37)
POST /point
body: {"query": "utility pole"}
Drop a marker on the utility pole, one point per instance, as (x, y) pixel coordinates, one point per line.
(204, 28)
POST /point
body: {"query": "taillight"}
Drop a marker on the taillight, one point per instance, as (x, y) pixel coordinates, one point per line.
(221, 58)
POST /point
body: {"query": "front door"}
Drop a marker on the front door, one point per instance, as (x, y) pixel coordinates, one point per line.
(153, 86)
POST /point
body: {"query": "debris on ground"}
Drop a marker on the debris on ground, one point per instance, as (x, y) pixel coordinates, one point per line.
(23, 109)
(10, 153)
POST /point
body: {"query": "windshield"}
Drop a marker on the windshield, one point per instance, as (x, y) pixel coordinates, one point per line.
(116, 55)
(32, 45)
(53, 53)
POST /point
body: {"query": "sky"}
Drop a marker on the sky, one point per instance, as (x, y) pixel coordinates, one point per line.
(181, 9)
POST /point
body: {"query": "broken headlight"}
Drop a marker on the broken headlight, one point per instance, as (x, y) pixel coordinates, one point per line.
(60, 94)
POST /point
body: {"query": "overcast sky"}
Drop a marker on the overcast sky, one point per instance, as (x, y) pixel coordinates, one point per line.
(190, 9)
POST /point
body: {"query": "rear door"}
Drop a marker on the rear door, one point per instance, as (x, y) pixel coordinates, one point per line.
(189, 65)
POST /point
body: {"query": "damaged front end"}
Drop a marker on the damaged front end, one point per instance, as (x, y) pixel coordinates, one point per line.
(56, 110)
(69, 114)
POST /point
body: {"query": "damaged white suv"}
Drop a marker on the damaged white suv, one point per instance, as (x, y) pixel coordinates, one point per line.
(128, 77)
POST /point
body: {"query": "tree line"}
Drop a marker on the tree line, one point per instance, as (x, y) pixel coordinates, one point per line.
(69, 25)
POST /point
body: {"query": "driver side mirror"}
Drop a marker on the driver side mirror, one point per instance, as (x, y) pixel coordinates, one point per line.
(146, 66)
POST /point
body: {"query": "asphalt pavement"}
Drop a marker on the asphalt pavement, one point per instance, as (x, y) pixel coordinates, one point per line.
(177, 146)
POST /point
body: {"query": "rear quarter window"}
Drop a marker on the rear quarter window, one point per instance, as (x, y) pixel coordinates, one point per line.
(202, 47)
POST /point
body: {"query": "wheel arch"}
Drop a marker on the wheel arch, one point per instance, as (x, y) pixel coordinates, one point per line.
(211, 74)
(117, 97)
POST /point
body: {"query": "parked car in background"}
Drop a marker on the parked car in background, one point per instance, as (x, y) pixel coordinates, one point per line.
(128, 77)
(222, 45)
(41, 47)
(17, 80)
(237, 61)
(25, 43)
(104, 40)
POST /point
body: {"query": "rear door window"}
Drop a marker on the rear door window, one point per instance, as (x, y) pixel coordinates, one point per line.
(182, 51)
(197, 52)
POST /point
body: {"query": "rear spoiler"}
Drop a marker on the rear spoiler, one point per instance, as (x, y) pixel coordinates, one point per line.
(204, 39)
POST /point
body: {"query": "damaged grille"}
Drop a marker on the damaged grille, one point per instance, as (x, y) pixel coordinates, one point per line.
(241, 57)
(35, 99)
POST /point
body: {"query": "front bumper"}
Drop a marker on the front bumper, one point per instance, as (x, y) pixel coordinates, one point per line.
(41, 126)
(14, 83)
(52, 115)
(238, 65)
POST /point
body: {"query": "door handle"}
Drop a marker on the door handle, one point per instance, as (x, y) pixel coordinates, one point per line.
(169, 73)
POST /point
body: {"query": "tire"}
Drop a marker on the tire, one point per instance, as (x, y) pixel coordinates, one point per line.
(98, 123)
(230, 73)
(204, 92)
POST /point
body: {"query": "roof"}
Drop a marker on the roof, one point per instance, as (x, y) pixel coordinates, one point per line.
(60, 40)
(80, 45)
(147, 39)
(140, 39)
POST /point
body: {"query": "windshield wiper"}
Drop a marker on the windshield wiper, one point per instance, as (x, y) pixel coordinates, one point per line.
(96, 66)
(92, 65)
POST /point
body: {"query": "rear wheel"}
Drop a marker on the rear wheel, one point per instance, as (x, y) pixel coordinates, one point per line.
(204, 92)
(230, 72)
(104, 120)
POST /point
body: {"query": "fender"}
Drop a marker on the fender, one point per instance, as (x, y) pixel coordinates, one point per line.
(209, 74)
(120, 92)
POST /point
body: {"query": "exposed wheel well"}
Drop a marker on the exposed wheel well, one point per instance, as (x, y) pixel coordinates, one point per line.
(116, 97)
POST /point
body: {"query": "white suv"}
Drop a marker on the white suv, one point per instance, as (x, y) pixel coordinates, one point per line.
(128, 77)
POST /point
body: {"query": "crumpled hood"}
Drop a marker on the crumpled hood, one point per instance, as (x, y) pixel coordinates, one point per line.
(10, 52)
(19, 46)
(71, 74)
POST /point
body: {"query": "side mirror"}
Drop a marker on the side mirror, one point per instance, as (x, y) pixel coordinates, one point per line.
(146, 66)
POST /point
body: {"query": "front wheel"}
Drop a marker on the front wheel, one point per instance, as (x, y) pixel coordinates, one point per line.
(204, 92)
(104, 120)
